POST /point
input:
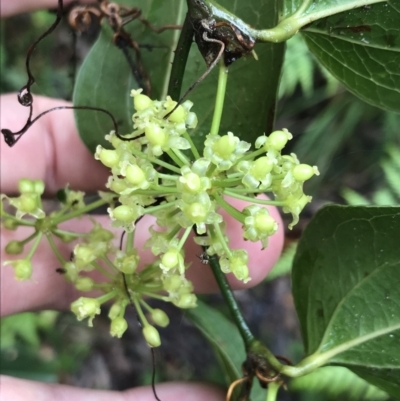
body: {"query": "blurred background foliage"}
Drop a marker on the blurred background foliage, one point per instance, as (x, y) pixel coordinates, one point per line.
(357, 149)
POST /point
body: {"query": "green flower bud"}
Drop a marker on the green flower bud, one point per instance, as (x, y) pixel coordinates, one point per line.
(151, 335)
(65, 237)
(178, 116)
(141, 102)
(191, 182)
(170, 259)
(71, 272)
(83, 254)
(28, 202)
(225, 146)
(159, 317)
(10, 224)
(172, 283)
(117, 186)
(261, 167)
(38, 187)
(135, 175)
(265, 223)
(186, 301)
(278, 139)
(196, 212)
(156, 135)
(23, 269)
(130, 263)
(303, 172)
(84, 284)
(26, 186)
(118, 326)
(123, 213)
(115, 310)
(108, 157)
(14, 247)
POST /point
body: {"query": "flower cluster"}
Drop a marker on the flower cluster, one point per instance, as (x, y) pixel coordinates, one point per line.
(183, 191)
(188, 191)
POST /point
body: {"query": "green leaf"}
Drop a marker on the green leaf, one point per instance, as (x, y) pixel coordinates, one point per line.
(223, 336)
(336, 382)
(250, 101)
(226, 342)
(105, 79)
(361, 48)
(346, 287)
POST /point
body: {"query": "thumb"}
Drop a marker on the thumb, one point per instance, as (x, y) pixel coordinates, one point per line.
(22, 390)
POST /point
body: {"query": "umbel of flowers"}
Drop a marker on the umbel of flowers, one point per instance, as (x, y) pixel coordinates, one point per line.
(184, 191)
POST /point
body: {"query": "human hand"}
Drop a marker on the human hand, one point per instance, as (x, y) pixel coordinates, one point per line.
(52, 151)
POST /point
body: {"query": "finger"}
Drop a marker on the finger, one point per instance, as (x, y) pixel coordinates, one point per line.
(22, 390)
(51, 150)
(13, 7)
(49, 290)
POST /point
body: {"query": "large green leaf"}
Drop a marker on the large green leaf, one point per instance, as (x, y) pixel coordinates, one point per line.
(105, 79)
(252, 85)
(361, 48)
(346, 286)
(337, 382)
(226, 342)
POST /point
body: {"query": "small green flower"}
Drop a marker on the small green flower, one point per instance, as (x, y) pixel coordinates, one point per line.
(224, 151)
(236, 263)
(118, 326)
(22, 268)
(173, 260)
(258, 224)
(86, 308)
(84, 284)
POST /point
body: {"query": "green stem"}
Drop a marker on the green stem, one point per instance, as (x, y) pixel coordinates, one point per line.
(227, 183)
(181, 55)
(253, 200)
(221, 238)
(140, 313)
(175, 158)
(153, 160)
(181, 157)
(179, 14)
(155, 296)
(55, 249)
(273, 389)
(35, 245)
(129, 241)
(79, 212)
(160, 191)
(253, 155)
(29, 239)
(193, 148)
(110, 264)
(103, 271)
(152, 209)
(70, 233)
(236, 214)
(184, 238)
(289, 26)
(107, 297)
(219, 100)
(21, 222)
(230, 300)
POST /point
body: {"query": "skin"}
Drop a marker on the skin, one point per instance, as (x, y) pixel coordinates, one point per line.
(52, 151)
